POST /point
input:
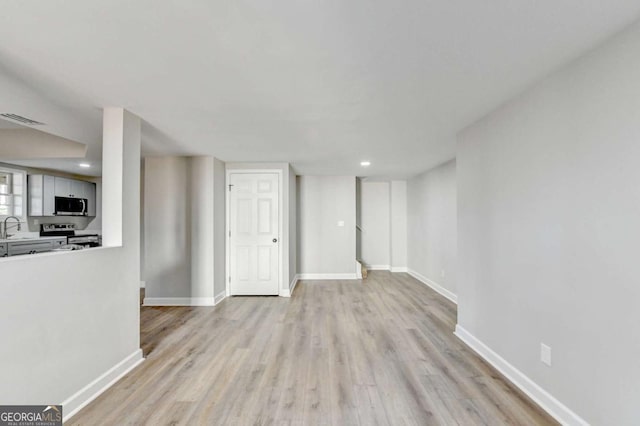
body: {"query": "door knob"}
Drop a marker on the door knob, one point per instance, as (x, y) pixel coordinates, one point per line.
(275, 240)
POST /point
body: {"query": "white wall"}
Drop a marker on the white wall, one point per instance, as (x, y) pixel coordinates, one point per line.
(323, 246)
(184, 230)
(67, 318)
(375, 201)
(549, 228)
(398, 225)
(432, 226)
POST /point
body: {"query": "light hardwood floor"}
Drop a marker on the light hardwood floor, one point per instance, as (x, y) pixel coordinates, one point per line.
(378, 351)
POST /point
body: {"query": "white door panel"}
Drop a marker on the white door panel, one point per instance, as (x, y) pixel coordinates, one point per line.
(254, 239)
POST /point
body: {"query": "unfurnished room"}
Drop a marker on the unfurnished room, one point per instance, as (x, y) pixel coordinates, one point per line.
(319, 212)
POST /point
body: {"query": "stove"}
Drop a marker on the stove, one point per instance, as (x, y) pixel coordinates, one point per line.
(69, 230)
(57, 230)
(88, 240)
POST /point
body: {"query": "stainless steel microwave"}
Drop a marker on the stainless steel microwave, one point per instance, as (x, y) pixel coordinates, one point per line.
(66, 206)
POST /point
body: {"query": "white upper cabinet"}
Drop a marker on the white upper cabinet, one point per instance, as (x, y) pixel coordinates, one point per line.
(78, 188)
(90, 195)
(62, 187)
(43, 190)
(41, 195)
(73, 188)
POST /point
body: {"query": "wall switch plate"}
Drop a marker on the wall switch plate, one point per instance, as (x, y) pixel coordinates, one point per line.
(341, 223)
(442, 273)
(545, 354)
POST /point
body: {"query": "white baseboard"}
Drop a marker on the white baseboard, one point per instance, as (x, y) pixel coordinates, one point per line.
(358, 270)
(544, 399)
(84, 396)
(378, 267)
(219, 297)
(143, 284)
(435, 286)
(352, 276)
(292, 286)
(179, 301)
(399, 269)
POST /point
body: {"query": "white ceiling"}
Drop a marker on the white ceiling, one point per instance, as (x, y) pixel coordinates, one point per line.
(320, 84)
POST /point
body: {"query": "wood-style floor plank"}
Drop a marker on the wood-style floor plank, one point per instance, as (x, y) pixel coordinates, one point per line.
(380, 351)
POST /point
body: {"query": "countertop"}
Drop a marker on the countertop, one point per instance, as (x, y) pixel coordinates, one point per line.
(27, 239)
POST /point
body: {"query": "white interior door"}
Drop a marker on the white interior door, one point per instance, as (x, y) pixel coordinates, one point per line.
(254, 234)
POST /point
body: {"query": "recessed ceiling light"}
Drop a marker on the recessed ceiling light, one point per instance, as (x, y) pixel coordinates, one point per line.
(365, 163)
(84, 165)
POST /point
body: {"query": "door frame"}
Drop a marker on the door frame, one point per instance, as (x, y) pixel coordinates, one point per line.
(227, 243)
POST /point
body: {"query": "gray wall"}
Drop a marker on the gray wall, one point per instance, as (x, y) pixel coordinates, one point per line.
(167, 222)
(375, 201)
(219, 214)
(184, 228)
(359, 219)
(323, 246)
(293, 225)
(549, 229)
(398, 225)
(432, 224)
(142, 254)
(201, 220)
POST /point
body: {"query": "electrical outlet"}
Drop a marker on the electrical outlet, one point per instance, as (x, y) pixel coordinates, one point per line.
(341, 223)
(36, 222)
(545, 354)
(442, 273)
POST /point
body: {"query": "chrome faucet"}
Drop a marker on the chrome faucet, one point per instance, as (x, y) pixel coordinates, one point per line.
(3, 231)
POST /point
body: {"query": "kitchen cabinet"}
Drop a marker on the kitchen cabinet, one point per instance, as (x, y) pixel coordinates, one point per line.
(58, 242)
(41, 195)
(78, 188)
(62, 187)
(29, 247)
(90, 195)
(16, 248)
(43, 189)
(72, 188)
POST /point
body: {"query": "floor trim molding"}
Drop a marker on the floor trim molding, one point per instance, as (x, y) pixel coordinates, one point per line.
(292, 286)
(219, 297)
(179, 301)
(544, 399)
(399, 269)
(84, 396)
(435, 286)
(351, 276)
(378, 267)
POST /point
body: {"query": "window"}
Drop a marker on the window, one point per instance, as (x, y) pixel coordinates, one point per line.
(12, 193)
